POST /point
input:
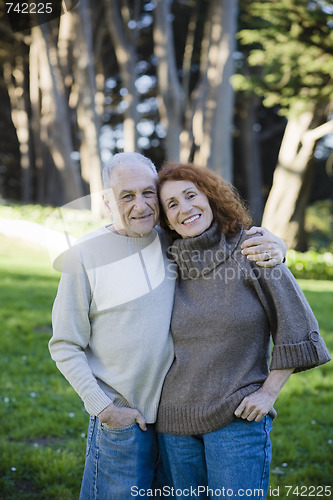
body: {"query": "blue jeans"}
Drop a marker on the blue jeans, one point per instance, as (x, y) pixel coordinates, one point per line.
(232, 461)
(117, 460)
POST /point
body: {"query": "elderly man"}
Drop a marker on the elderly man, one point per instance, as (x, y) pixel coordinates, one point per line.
(111, 322)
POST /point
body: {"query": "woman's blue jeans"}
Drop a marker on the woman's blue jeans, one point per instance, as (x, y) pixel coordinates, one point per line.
(231, 462)
(117, 460)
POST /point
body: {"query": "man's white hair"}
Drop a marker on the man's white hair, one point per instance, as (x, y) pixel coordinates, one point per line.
(125, 160)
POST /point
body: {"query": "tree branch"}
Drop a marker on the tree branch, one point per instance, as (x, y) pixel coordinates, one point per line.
(318, 132)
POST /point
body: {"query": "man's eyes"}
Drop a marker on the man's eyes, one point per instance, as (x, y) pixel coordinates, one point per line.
(130, 196)
(149, 193)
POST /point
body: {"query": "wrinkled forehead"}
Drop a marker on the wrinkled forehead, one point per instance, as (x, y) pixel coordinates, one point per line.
(132, 177)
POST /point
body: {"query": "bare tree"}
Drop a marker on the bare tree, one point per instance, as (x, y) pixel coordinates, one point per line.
(171, 106)
(88, 121)
(16, 84)
(117, 17)
(204, 119)
(213, 117)
(55, 116)
(284, 210)
(65, 93)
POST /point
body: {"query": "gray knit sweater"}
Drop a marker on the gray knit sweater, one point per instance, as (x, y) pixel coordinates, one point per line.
(226, 312)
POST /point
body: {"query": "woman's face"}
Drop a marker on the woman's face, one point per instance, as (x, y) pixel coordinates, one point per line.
(187, 209)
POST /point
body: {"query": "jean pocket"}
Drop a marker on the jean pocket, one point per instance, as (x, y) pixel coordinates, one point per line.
(118, 429)
(91, 428)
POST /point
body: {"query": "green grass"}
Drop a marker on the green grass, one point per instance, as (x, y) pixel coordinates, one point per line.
(302, 435)
(43, 431)
(76, 222)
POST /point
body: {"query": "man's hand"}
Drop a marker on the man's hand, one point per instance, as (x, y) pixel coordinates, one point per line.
(115, 417)
(256, 405)
(266, 250)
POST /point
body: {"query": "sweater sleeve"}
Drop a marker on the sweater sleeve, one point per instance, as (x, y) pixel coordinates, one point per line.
(71, 334)
(294, 328)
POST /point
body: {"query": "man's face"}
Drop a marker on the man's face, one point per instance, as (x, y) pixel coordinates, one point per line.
(133, 200)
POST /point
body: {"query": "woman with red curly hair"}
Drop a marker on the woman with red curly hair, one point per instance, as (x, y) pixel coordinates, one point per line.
(216, 408)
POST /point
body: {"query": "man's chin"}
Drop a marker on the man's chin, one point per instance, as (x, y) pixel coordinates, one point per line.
(142, 228)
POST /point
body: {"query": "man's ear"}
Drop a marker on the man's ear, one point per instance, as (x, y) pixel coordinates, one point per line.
(106, 201)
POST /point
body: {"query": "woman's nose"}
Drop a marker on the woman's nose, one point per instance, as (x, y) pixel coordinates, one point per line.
(185, 206)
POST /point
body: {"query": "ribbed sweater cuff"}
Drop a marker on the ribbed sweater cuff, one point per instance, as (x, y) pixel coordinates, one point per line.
(96, 402)
(300, 356)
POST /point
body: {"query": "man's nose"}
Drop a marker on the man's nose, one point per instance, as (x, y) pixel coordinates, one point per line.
(140, 203)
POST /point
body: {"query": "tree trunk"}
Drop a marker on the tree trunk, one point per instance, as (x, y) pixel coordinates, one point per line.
(213, 118)
(55, 117)
(250, 156)
(170, 90)
(35, 113)
(186, 136)
(284, 210)
(126, 58)
(85, 78)
(20, 119)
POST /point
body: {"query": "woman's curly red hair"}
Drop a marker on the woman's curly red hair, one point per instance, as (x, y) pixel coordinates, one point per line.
(228, 209)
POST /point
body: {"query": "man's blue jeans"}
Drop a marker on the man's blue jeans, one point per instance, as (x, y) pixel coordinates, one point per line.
(117, 460)
(232, 461)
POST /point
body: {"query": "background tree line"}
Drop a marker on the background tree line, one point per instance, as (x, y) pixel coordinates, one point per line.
(244, 88)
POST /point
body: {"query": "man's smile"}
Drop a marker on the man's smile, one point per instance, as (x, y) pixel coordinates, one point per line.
(142, 217)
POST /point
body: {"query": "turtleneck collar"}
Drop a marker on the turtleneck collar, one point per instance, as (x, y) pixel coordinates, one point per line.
(199, 255)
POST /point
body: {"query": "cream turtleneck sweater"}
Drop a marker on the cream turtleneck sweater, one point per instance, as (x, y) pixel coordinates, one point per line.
(111, 320)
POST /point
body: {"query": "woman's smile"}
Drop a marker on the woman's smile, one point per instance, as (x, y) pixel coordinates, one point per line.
(191, 219)
(187, 209)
